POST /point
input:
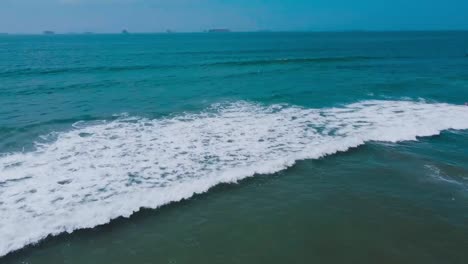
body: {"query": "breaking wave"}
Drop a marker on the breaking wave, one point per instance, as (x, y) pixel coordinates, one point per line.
(101, 170)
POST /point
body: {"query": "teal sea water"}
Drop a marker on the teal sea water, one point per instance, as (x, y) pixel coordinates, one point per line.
(344, 147)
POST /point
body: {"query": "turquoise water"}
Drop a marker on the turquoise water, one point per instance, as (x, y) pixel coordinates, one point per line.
(346, 147)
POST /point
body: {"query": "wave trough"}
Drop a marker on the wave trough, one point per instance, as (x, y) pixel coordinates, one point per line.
(99, 171)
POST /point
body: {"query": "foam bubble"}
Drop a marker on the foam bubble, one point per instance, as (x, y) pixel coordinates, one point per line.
(102, 170)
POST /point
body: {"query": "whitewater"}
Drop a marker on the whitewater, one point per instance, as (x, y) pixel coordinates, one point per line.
(100, 170)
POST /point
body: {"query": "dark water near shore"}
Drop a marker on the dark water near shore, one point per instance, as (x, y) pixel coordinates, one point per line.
(93, 128)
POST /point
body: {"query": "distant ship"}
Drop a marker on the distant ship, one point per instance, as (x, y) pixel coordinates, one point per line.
(125, 31)
(48, 32)
(219, 30)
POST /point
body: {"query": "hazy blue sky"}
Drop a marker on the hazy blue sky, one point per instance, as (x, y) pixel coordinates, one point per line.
(194, 15)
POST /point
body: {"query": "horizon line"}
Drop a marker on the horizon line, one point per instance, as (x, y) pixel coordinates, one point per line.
(169, 31)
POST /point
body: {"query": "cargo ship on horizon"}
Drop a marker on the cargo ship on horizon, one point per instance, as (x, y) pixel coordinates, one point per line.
(219, 30)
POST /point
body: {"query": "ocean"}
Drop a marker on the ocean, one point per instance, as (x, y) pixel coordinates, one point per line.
(338, 147)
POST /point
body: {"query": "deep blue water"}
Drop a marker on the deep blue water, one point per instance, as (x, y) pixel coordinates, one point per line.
(95, 127)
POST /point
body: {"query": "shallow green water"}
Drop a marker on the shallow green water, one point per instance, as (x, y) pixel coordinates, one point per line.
(205, 109)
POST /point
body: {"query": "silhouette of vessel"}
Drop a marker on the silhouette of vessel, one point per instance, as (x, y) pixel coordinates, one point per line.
(219, 30)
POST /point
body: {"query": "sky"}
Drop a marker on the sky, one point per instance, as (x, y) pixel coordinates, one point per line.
(107, 16)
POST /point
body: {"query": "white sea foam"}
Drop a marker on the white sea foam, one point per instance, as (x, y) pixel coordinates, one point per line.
(99, 171)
